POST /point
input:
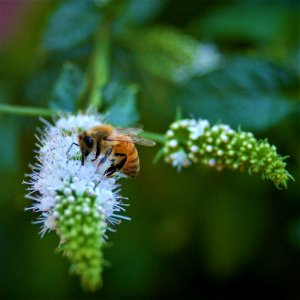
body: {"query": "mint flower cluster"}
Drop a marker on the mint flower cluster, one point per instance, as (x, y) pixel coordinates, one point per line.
(191, 141)
(78, 202)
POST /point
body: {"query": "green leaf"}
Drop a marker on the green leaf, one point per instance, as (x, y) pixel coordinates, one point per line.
(242, 25)
(171, 54)
(247, 92)
(67, 89)
(133, 13)
(245, 21)
(142, 11)
(72, 24)
(120, 103)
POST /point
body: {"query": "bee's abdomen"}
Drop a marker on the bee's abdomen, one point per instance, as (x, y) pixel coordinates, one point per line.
(132, 165)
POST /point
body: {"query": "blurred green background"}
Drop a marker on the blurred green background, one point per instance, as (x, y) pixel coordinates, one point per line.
(198, 234)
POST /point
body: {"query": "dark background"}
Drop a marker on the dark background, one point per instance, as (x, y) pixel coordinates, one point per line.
(198, 234)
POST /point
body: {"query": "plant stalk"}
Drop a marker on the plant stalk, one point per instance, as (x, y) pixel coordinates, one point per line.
(99, 65)
(156, 137)
(27, 110)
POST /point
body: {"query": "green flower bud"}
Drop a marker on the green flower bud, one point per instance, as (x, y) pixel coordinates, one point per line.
(221, 147)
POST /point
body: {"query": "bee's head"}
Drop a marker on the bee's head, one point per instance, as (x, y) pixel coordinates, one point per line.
(86, 144)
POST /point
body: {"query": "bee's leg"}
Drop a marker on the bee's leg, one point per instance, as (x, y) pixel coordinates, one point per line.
(120, 165)
(104, 158)
(71, 147)
(98, 149)
(113, 168)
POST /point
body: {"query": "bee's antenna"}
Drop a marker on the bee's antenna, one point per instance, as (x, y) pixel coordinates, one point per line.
(71, 147)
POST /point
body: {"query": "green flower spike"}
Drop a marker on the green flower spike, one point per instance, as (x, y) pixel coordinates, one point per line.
(191, 141)
(81, 225)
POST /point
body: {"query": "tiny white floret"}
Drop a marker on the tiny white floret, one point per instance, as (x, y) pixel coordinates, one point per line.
(209, 148)
(224, 138)
(67, 212)
(175, 125)
(71, 199)
(184, 123)
(67, 191)
(212, 162)
(180, 159)
(170, 133)
(220, 152)
(198, 129)
(194, 148)
(173, 143)
(86, 210)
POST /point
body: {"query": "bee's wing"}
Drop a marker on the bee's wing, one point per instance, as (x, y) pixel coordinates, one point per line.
(130, 139)
(128, 131)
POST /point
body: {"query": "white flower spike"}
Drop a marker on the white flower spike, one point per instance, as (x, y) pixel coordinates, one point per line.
(78, 202)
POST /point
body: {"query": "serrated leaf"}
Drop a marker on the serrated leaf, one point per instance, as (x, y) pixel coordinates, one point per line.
(67, 88)
(71, 24)
(246, 92)
(120, 103)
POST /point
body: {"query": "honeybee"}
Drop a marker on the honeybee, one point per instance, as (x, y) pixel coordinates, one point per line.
(116, 144)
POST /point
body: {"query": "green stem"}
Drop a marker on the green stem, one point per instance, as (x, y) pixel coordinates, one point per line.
(27, 110)
(99, 66)
(156, 137)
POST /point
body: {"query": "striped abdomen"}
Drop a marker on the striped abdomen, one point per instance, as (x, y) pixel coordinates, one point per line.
(132, 165)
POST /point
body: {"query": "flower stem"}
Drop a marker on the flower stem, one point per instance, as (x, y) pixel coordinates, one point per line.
(99, 66)
(27, 110)
(156, 137)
